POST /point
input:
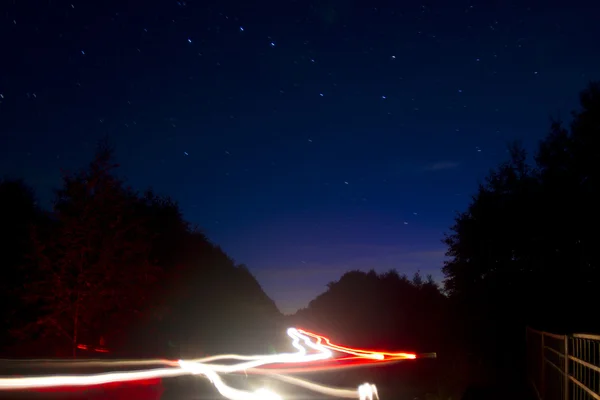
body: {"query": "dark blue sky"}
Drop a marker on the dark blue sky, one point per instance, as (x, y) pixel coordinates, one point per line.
(306, 138)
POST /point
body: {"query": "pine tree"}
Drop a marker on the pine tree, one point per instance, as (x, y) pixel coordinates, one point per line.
(93, 274)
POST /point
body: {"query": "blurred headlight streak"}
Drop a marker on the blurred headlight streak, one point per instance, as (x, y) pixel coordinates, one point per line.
(311, 348)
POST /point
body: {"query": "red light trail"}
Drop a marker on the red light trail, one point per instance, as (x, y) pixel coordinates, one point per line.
(315, 353)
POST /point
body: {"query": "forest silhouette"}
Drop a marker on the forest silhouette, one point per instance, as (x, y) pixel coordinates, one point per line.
(111, 266)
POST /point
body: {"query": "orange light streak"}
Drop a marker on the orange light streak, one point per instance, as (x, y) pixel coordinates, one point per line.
(371, 354)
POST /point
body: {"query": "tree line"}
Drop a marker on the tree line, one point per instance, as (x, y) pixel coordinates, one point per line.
(118, 269)
(109, 264)
(522, 253)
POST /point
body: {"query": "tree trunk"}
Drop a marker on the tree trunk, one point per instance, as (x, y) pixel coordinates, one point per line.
(75, 325)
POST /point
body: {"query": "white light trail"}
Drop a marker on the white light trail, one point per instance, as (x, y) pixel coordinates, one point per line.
(326, 390)
(367, 391)
(86, 380)
(301, 340)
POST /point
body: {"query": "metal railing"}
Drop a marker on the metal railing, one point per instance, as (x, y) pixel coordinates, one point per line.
(563, 367)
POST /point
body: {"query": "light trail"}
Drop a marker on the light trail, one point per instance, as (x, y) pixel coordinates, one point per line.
(227, 391)
(86, 380)
(322, 351)
(203, 365)
(323, 367)
(284, 358)
(315, 387)
(376, 355)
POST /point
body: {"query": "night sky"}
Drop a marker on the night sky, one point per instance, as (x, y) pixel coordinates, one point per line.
(307, 138)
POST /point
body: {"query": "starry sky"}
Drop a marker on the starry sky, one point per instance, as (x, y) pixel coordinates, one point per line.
(307, 138)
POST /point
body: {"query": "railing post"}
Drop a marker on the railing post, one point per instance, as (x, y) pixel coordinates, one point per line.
(542, 369)
(566, 376)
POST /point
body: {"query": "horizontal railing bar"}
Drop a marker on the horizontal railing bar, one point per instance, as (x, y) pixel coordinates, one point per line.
(588, 390)
(585, 363)
(558, 357)
(555, 366)
(575, 335)
(554, 336)
(537, 392)
(586, 336)
(558, 353)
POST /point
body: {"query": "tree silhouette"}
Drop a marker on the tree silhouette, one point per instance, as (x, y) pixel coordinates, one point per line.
(93, 273)
(525, 243)
(379, 310)
(567, 163)
(127, 268)
(387, 311)
(485, 249)
(216, 306)
(18, 214)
